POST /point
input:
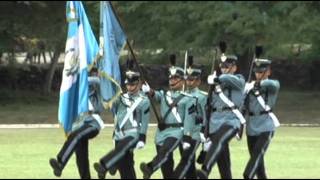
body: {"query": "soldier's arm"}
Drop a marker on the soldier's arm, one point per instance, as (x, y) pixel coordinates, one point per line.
(273, 89)
(273, 86)
(145, 118)
(203, 102)
(93, 80)
(233, 81)
(189, 122)
(157, 95)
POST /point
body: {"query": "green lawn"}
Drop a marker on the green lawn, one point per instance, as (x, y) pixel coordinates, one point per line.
(293, 153)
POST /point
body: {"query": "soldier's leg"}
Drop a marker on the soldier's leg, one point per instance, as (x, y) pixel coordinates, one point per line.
(169, 145)
(126, 166)
(219, 140)
(85, 132)
(261, 172)
(122, 147)
(167, 167)
(224, 163)
(187, 158)
(82, 155)
(258, 151)
(83, 159)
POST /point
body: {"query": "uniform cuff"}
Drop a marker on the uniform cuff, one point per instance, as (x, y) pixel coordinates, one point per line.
(142, 137)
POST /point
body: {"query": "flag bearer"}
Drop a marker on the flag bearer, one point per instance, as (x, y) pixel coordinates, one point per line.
(87, 126)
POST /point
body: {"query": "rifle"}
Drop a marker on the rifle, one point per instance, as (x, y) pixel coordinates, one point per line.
(208, 106)
(258, 52)
(214, 67)
(159, 119)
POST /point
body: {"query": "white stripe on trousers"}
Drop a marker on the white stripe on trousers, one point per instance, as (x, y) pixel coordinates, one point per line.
(253, 170)
(189, 161)
(75, 141)
(166, 156)
(121, 154)
(229, 132)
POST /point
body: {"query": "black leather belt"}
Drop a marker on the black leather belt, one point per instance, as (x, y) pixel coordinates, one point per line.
(176, 125)
(261, 113)
(223, 109)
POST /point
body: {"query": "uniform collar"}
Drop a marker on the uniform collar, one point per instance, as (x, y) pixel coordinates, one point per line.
(194, 90)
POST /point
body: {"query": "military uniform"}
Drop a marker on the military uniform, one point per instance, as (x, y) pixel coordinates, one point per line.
(132, 114)
(261, 98)
(187, 167)
(86, 127)
(176, 112)
(225, 119)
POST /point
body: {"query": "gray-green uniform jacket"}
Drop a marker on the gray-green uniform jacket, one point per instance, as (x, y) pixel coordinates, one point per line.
(232, 87)
(201, 100)
(262, 122)
(185, 111)
(95, 107)
(136, 124)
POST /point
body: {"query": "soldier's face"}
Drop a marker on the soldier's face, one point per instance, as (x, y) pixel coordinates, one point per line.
(133, 88)
(176, 83)
(229, 70)
(193, 82)
(263, 75)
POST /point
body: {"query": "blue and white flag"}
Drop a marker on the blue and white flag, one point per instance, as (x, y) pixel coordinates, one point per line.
(112, 40)
(80, 53)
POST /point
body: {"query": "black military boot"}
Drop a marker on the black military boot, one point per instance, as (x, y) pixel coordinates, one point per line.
(146, 170)
(202, 174)
(100, 170)
(56, 166)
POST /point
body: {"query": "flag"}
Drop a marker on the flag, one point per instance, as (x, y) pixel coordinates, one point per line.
(80, 53)
(112, 39)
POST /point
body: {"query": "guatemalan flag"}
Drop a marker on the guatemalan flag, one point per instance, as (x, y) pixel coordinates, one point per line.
(80, 53)
(112, 40)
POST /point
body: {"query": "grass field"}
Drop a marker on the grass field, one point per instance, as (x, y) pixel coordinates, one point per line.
(293, 153)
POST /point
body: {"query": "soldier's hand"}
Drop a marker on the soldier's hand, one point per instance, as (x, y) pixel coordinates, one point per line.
(212, 78)
(146, 88)
(140, 145)
(202, 138)
(248, 87)
(185, 145)
(207, 145)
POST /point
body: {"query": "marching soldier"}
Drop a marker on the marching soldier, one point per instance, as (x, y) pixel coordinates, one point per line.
(261, 96)
(86, 127)
(176, 111)
(187, 167)
(225, 117)
(132, 113)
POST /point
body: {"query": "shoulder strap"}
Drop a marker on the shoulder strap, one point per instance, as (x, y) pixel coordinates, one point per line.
(175, 102)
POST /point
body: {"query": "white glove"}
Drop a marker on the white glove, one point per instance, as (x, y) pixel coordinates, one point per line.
(140, 145)
(211, 78)
(202, 138)
(248, 87)
(146, 88)
(186, 146)
(238, 137)
(207, 145)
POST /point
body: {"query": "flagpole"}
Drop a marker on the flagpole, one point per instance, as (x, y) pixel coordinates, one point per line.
(135, 60)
